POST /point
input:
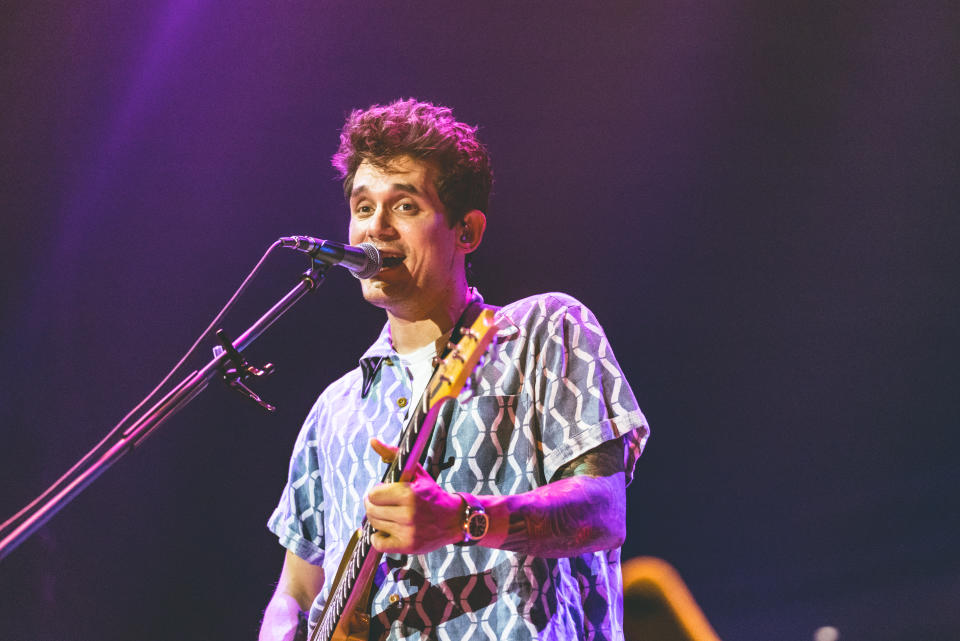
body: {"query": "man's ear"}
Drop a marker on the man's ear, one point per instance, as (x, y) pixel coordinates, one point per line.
(471, 230)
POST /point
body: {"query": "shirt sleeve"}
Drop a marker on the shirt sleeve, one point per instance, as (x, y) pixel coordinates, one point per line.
(583, 397)
(298, 519)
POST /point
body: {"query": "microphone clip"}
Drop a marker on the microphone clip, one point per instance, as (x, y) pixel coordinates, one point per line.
(235, 370)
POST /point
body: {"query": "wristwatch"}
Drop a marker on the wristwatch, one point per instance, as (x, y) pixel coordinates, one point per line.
(475, 521)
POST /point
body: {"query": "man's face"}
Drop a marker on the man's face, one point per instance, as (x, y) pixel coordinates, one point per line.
(398, 210)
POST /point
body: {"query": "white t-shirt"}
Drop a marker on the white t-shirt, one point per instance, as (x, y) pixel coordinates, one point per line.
(419, 367)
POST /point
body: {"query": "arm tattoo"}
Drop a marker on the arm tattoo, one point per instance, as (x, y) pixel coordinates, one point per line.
(582, 510)
(603, 460)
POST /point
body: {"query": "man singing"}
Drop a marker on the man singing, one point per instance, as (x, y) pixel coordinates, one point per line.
(513, 528)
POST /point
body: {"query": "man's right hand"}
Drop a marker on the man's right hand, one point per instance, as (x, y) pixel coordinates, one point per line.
(299, 584)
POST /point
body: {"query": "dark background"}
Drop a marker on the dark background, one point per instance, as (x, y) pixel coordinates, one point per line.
(758, 200)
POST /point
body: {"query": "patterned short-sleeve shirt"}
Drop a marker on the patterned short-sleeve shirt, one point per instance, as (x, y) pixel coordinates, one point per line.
(548, 391)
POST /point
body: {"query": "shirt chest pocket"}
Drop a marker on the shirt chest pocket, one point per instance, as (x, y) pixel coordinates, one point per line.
(491, 444)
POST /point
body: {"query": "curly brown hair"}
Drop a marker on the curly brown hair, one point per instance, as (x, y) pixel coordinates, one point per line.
(425, 132)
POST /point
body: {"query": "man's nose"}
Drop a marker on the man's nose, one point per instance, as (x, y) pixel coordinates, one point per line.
(380, 224)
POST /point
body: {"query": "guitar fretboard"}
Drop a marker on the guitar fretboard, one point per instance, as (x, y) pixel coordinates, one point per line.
(337, 600)
(447, 381)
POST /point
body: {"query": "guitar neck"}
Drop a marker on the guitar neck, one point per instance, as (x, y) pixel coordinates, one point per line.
(357, 568)
(359, 565)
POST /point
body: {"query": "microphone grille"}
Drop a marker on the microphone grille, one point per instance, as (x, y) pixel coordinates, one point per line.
(375, 262)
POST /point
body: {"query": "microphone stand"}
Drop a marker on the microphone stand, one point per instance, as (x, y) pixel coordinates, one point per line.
(175, 400)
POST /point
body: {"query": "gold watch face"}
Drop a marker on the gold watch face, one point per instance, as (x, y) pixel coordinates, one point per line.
(477, 525)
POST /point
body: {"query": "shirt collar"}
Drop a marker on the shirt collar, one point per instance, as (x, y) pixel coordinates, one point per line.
(382, 348)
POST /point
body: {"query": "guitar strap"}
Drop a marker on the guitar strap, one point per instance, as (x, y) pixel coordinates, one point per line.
(469, 314)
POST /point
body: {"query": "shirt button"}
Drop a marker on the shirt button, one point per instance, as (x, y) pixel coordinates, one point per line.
(402, 402)
(394, 598)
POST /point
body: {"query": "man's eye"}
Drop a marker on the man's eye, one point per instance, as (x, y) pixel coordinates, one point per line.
(363, 210)
(406, 207)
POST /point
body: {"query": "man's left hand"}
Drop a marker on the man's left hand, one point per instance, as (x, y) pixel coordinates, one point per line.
(413, 517)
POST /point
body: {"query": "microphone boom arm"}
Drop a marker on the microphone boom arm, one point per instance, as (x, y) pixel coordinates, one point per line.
(149, 420)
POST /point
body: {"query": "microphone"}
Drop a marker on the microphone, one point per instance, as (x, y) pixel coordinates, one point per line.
(362, 260)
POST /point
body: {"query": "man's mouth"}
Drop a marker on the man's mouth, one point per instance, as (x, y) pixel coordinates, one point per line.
(392, 261)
